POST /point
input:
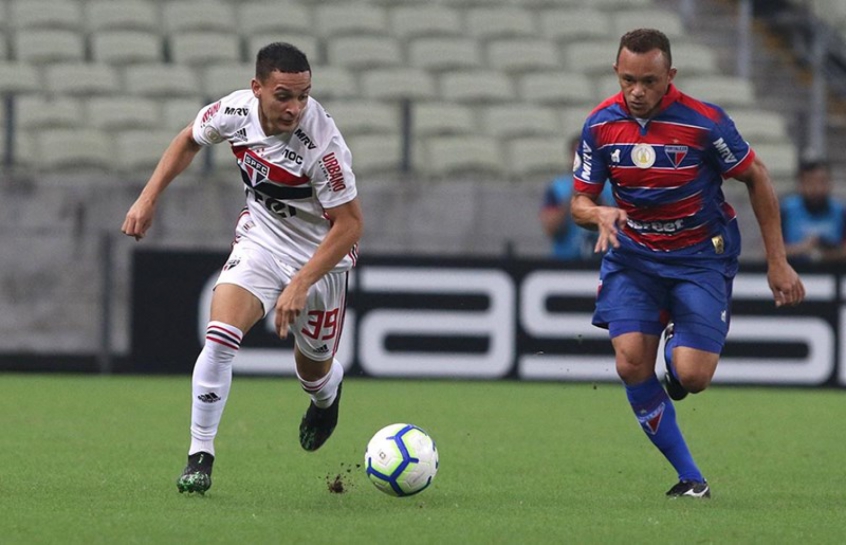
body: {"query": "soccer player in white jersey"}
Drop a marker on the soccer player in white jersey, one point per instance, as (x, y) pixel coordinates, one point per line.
(295, 242)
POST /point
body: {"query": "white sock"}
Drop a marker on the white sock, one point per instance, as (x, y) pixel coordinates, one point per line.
(323, 390)
(210, 384)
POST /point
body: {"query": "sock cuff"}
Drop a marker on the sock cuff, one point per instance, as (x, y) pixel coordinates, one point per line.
(225, 334)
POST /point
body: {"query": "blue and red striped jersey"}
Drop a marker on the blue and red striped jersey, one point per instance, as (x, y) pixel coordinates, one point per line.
(666, 173)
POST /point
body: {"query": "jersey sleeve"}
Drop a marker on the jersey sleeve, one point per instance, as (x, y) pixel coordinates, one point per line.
(589, 169)
(209, 127)
(732, 153)
(332, 175)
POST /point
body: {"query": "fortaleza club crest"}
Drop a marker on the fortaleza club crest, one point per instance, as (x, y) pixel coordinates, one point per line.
(676, 154)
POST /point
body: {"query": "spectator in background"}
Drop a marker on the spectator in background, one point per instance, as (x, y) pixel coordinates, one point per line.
(812, 219)
(569, 241)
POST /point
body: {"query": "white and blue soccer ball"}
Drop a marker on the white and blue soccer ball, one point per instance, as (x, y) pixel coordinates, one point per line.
(401, 460)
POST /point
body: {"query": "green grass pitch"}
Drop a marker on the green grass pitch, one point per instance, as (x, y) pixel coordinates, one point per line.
(94, 460)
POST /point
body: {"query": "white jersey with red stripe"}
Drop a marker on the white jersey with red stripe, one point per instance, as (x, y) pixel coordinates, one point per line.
(290, 178)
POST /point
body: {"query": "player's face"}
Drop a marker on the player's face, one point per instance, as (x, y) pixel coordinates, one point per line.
(282, 99)
(644, 79)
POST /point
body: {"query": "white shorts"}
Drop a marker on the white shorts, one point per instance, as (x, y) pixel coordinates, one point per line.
(317, 331)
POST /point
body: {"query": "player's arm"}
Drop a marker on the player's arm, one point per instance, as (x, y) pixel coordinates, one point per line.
(608, 220)
(345, 232)
(174, 160)
(785, 284)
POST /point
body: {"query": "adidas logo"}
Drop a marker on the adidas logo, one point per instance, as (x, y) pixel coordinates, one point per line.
(322, 349)
(241, 134)
(210, 397)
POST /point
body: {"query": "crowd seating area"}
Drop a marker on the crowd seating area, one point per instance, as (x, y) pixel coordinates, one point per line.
(494, 87)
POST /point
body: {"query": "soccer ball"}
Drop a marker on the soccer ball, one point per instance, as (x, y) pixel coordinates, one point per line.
(401, 460)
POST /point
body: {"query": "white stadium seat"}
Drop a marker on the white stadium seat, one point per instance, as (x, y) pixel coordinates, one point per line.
(414, 21)
(522, 55)
(330, 82)
(177, 113)
(520, 120)
(113, 113)
(761, 126)
(375, 153)
(57, 14)
(473, 156)
(263, 17)
(19, 77)
(307, 43)
(161, 81)
(499, 22)
(185, 15)
(48, 45)
(124, 47)
(221, 79)
(122, 15)
(36, 112)
(199, 48)
(352, 20)
(532, 158)
(477, 87)
(667, 20)
(781, 159)
(397, 84)
(726, 91)
(444, 53)
(693, 59)
(557, 87)
(82, 79)
(72, 148)
(569, 25)
(364, 117)
(441, 118)
(361, 52)
(592, 57)
(140, 150)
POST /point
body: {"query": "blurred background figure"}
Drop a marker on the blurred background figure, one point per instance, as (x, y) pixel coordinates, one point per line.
(813, 219)
(569, 241)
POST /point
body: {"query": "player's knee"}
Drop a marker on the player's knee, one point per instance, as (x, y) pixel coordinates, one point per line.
(695, 382)
(632, 372)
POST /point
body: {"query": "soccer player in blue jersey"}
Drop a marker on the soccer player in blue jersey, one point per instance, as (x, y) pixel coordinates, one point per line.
(672, 242)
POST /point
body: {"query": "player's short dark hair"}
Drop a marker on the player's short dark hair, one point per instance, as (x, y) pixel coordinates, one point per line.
(644, 40)
(282, 57)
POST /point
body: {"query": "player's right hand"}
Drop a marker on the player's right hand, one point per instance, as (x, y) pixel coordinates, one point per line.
(611, 220)
(138, 219)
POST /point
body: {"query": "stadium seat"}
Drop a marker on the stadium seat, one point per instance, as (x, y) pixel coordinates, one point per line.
(781, 159)
(477, 87)
(522, 55)
(573, 119)
(414, 21)
(355, 19)
(606, 86)
(122, 47)
(221, 79)
(186, 15)
(177, 113)
(568, 25)
(122, 15)
(533, 158)
(364, 117)
(441, 118)
(55, 14)
(82, 79)
(4, 49)
(36, 112)
(693, 59)
(444, 53)
(375, 154)
(761, 126)
(263, 17)
(667, 20)
(333, 82)
(611, 5)
(118, 113)
(485, 23)
(48, 45)
(398, 84)
(471, 156)
(307, 43)
(594, 57)
(139, 151)
(559, 87)
(200, 48)
(362, 52)
(75, 148)
(726, 91)
(519, 120)
(162, 81)
(19, 77)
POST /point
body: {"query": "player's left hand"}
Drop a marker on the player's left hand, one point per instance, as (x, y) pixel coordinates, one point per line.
(785, 284)
(290, 304)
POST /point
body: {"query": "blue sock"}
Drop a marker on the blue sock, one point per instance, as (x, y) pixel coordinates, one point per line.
(657, 416)
(668, 356)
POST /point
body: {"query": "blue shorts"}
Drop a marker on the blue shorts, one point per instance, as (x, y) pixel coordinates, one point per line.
(643, 299)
